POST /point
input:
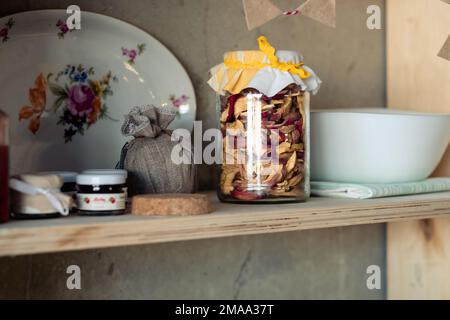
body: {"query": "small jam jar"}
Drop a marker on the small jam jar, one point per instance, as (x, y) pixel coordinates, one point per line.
(101, 194)
(110, 172)
(107, 171)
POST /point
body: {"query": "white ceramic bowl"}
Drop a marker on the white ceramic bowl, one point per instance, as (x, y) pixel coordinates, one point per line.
(376, 145)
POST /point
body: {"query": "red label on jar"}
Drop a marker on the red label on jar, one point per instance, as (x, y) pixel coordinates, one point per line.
(101, 202)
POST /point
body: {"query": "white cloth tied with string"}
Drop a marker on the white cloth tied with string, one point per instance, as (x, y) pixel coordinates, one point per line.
(35, 194)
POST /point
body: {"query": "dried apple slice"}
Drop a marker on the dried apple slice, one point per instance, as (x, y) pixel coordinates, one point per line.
(295, 192)
(295, 135)
(229, 172)
(224, 115)
(275, 175)
(301, 107)
(294, 181)
(283, 186)
(285, 107)
(235, 128)
(291, 162)
(287, 129)
(297, 147)
(240, 106)
(267, 107)
(284, 147)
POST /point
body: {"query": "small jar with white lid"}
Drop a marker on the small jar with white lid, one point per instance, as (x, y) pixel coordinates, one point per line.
(101, 194)
(107, 171)
(120, 172)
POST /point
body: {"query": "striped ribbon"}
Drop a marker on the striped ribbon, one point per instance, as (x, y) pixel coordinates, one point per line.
(291, 12)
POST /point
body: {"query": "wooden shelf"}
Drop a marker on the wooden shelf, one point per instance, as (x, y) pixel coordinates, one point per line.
(77, 233)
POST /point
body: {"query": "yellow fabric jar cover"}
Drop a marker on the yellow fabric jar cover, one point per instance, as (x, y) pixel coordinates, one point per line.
(265, 70)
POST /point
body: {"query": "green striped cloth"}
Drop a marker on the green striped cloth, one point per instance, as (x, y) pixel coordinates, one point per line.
(368, 191)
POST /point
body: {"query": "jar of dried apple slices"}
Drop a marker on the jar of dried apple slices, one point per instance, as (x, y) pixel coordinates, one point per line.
(263, 108)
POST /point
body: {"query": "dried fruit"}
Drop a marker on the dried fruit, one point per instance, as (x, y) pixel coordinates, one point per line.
(284, 147)
(291, 162)
(297, 147)
(275, 175)
(224, 115)
(227, 177)
(235, 128)
(295, 135)
(255, 124)
(295, 180)
(287, 129)
(240, 106)
(246, 196)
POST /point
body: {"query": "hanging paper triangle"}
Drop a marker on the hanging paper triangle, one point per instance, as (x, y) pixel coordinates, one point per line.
(445, 51)
(323, 11)
(258, 12)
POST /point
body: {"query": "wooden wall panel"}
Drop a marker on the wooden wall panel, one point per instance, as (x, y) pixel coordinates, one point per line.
(418, 252)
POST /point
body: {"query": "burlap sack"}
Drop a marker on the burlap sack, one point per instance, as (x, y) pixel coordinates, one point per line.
(147, 157)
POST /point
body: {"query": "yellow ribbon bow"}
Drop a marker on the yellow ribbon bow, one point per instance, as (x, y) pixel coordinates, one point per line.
(269, 51)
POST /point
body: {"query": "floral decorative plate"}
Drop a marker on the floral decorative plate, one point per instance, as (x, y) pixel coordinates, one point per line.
(66, 91)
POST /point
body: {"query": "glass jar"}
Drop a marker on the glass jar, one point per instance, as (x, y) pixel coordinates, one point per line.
(263, 110)
(119, 172)
(28, 203)
(4, 167)
(265, 148)
(101, 194)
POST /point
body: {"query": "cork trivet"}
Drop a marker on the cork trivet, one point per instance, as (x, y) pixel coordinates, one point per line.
(178, 204)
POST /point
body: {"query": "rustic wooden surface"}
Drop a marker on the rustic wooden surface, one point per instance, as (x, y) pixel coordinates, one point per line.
(419, 251)
(418, 259)
(417, 79)
(76, 233)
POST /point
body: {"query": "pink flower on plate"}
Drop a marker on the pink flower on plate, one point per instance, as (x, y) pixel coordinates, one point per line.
(80, 100)
(62, 26)
(4, 32)
(132, 54)
(181, 100)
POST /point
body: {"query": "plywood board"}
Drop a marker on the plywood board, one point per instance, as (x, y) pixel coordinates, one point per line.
(418, 79)
(77, 233)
